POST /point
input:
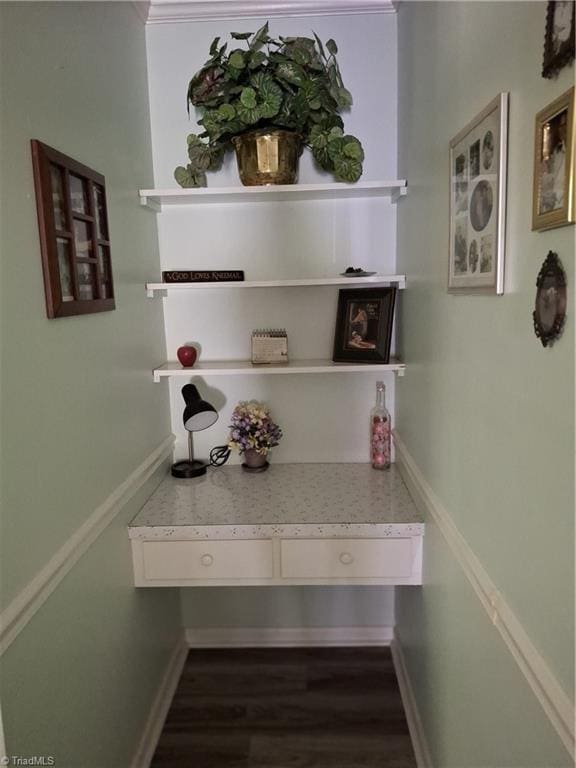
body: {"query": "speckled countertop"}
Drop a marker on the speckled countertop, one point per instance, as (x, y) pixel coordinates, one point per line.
(307, 500)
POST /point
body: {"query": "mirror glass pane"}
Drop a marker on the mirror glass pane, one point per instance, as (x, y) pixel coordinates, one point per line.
(66, 281)
(86, 281)
(57, 196)
(105, 271)
(100, 208)
(78, 194)
(83, 239)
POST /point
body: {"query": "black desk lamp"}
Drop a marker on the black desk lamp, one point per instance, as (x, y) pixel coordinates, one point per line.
(198, 415)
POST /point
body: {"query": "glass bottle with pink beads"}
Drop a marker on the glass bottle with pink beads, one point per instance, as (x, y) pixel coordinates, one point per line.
(380, 430)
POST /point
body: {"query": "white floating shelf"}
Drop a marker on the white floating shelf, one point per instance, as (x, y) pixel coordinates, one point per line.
(157, 198)
(245, 368)
(398, 280)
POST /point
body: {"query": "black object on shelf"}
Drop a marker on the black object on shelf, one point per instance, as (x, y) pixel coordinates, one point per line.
(203, 276)
(198, 415)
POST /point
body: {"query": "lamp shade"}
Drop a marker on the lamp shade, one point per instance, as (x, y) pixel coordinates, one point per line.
(198, 414)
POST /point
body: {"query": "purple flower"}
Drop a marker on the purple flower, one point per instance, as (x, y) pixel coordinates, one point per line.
(252, 427)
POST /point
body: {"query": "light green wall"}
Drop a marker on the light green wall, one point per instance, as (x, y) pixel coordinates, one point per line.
(285, 607)
(79, 681)
(79, 411)
(477, 708)
(486, 412)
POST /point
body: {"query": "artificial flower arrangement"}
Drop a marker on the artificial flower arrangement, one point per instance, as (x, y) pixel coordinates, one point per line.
(252, 429)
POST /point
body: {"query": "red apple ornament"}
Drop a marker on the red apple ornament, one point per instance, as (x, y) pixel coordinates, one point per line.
(187, 355)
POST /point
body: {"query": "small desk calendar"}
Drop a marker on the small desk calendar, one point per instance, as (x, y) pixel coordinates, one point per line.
(269, 345)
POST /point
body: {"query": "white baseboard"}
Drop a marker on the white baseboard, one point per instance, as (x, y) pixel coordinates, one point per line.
(160, 706)
(548, 691)
(19, 612)
(298, 637)
(417, 734)
(3, 754)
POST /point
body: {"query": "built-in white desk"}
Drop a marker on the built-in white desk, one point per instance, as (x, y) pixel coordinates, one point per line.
(294, 524)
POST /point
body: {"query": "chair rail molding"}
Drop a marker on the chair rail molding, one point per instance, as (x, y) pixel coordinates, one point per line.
(548, 691)
(173, 11)
(14, 618)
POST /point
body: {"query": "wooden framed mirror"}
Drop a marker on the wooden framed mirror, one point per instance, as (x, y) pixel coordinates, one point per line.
(74, 235)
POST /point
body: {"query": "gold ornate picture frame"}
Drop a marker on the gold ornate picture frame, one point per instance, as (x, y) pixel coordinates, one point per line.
(553, 202)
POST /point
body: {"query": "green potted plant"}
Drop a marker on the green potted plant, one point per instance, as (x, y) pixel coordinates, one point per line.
(289, 88)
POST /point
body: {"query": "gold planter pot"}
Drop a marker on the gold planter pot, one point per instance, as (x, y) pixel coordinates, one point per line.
(268, 156)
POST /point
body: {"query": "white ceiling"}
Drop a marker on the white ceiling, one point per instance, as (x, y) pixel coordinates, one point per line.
(171, 11)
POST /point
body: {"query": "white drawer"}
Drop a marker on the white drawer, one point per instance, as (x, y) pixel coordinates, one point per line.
(179, 560)
(346, 558)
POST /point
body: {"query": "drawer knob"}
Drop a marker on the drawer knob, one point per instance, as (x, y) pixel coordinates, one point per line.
(206, 560)
(346, 558)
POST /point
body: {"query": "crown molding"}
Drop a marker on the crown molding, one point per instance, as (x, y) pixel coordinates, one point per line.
(142, 10)
(174, 11)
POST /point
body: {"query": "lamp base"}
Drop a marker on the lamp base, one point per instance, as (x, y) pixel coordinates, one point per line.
(187, 468)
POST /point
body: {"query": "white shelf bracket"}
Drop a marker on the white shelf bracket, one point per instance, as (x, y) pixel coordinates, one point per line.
(398, 193)
(152, 291)
(151, 205)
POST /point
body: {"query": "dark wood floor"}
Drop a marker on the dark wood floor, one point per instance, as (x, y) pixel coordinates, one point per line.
(286, 708)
